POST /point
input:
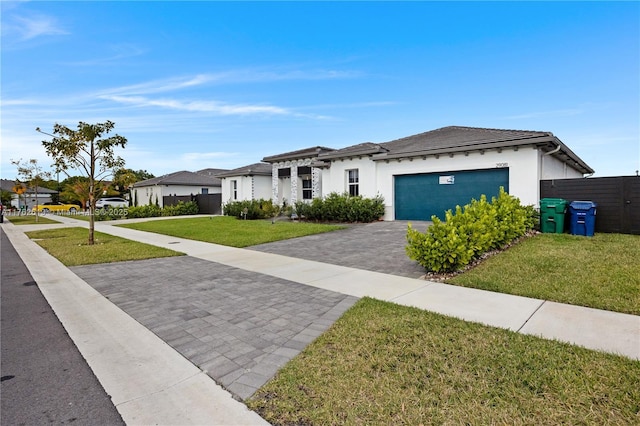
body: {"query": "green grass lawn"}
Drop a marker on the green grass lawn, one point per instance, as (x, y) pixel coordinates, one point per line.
(230, 231)
(29, 219)
(69, 246)
(599, 272)
(385, 364)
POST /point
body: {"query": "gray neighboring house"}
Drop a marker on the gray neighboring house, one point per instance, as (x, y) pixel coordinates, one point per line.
(182, 183)
(27, 199)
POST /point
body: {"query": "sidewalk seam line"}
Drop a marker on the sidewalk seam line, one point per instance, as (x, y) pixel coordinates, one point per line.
(531, 316)
(172, 385)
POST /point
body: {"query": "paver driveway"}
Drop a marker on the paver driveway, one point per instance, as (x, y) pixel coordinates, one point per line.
(238, 326)
(241, 326)
(377, 246)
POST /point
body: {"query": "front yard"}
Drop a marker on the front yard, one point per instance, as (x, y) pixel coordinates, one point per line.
(599, 272)
(381, 363)
(69, 246)
(229, 231)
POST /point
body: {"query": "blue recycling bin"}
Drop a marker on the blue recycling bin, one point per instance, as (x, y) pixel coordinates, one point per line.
(583, 218)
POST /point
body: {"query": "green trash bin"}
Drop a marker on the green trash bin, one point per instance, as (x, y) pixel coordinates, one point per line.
(552, 212)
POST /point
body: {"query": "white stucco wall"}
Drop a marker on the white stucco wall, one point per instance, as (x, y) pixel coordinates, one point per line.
(552, 168)
(164, 190)
(335, 179)
(262, 187)
(249, 188)
(522, 165)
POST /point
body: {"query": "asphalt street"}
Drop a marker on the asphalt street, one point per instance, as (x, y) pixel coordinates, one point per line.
(45, 379)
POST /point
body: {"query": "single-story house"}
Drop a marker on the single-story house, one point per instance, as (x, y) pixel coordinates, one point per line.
(28, 198)
(183, 183)
(428, 173)
(252, 182)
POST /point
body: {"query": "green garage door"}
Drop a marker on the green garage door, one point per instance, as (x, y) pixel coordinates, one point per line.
(418, 197)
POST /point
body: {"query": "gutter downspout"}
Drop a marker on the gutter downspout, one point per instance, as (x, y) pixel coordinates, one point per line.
(553, 151)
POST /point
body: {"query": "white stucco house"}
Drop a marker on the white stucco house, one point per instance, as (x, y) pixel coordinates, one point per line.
(252, 182)
(30, 198)
(427, 173)
(182, 183)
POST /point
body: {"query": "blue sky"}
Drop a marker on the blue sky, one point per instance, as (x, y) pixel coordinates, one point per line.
(193, 85)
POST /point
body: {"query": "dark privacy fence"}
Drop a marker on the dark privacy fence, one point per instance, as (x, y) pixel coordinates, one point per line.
(207, 203)
(617, 199)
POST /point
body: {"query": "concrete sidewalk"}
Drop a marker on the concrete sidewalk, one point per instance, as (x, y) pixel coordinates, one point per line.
(148, 381)
(97, 326)
(591, 328)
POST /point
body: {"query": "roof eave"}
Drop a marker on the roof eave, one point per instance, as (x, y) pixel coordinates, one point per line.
(463, 148)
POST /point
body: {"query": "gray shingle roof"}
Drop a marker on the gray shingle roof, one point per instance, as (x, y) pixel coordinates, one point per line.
(460, 139)
(181, 178)
(211, 172)
(365, 148)
(7, 185)
(263, 169)
(301, 153)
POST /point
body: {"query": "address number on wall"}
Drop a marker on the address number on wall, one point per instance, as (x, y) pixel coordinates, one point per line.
(498, 165)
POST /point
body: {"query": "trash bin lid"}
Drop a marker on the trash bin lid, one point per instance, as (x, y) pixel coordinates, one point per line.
(554, 201)
(582, 205)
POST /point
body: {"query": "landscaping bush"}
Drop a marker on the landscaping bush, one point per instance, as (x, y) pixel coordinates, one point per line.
(341, 208)
(469, 232)
(149, 210)
(256, 209)
(181, 209)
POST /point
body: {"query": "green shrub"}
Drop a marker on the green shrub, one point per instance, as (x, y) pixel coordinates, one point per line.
(149, 210)
(341, 208)
(469, 232)
(441, 248)
(255, 209)
(181, 209)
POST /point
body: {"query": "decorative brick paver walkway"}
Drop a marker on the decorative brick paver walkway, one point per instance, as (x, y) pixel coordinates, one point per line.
(238, 326)
(377, 246)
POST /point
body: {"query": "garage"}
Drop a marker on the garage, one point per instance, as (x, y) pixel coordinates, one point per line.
(419, 196)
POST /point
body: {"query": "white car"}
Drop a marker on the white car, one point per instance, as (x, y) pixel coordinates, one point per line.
(111, 203)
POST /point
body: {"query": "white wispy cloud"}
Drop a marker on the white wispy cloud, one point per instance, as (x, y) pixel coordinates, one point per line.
(33, 26)
(159, 86)
(200, 106)
(114, 53)
(260, 75)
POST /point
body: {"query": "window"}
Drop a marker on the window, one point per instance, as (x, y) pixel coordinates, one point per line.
(234, 189)
(307, 192)
(204, 191)
(353, 180)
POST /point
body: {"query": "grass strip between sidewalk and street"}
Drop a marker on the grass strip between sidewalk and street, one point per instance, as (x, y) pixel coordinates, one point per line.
(29, 219)
(70, 246)
(229, 231)
(382, 363)
(598, 272)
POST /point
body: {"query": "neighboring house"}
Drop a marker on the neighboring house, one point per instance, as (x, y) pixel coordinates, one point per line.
(28, 198)
(251, 182)
(428, 173)
(183, 183)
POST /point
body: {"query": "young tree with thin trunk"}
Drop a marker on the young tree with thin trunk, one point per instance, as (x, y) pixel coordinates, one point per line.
(87, 151)
(32, 175)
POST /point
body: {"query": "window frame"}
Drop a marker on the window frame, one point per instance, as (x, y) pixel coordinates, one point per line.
(353, 182)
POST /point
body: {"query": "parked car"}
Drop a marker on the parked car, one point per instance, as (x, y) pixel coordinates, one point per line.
(111, 203)
(56, 207)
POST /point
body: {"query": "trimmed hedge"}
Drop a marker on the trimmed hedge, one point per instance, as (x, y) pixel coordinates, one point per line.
(341, 208)
(256, 209)
(151, 210)
(469, 232)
